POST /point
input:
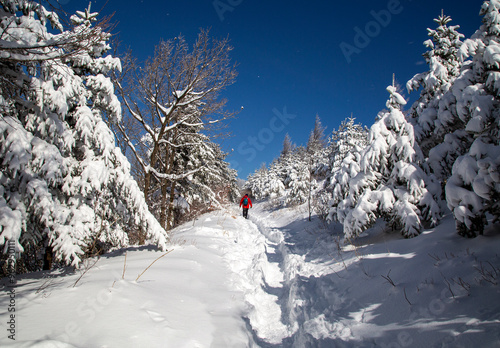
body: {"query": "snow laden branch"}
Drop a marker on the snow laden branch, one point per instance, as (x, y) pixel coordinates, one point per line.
(34, 43)
(172, 103)
(64, 185)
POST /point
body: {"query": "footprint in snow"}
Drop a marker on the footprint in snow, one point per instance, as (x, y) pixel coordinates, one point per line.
(157, 317)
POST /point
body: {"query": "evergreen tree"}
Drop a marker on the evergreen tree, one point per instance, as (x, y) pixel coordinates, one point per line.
(348, 138)
(288, 146)
(317, 140)
(256, 182)
(434, 113)
(345, 146)
(299, 182)
(473, 189)
(273, 186)
(391, 183)
(281, 166)
(208, 188)
(62, 178)
(316, 150)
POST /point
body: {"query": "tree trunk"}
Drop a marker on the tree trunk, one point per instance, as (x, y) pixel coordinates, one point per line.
(47, 258)
(163, 207)
(170, 216)
(148, 176)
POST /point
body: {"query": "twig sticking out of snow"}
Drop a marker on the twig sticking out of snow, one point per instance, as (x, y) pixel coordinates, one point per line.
(435, 257)
(463, 284)
(124, 265)
(388, 278)
(448, 283)
(45, 285)
(488, 275)
(168, 252)
(406, 297)
(87, 268)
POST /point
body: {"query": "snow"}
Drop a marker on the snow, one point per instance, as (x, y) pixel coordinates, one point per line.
(273, 280)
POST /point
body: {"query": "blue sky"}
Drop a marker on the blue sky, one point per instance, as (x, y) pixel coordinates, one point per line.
(296, 58)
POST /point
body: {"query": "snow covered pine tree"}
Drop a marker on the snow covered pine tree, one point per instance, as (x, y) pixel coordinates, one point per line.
(62, 178)
(344, 154)
(473, 189)
(434, 113)
(391, 182)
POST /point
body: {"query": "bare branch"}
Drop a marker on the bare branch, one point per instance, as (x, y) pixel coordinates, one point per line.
(172, 97)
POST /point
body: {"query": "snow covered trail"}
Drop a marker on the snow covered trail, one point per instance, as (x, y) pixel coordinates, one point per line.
(340, 295)
(257, 274)
(305, 297)
(275, 280)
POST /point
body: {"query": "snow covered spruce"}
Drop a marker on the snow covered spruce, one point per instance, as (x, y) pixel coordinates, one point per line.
(445, 149)
(63, 181)
(473, 190)
(391, 182)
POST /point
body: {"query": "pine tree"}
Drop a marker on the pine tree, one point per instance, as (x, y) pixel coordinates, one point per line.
(438, 127)
(391, 183)
(211, 187)
(273, 186)
(348, 138)
(434, 113)
(288, 146)
(317, 140)
(316, 150)
(473, 190)
(299, 182)
(344, 149)
(256, 182)
(282, 164)
(62, 178)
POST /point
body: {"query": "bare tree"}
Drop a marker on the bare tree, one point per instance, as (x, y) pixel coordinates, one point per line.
(173, 97)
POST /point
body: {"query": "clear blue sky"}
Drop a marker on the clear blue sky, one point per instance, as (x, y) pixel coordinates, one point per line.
(296, 58)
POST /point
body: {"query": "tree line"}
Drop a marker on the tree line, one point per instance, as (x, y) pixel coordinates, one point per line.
(442, 155)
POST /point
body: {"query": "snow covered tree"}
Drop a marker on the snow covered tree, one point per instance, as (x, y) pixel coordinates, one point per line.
(208, 188)
(348, 138)
(343, 152)
(174, 93)
(273, 185)
(435, 113)
(256, 182)
(316, 150)
(63, 181)
(281, 165)
(288, 146)
(316, 141)
(473, 189)
(390, 183)
(299, 182)
(298, 179)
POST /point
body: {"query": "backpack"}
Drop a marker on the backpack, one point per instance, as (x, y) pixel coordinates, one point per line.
(245, 201)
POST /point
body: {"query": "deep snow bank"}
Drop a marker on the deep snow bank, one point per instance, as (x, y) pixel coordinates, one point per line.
(188, 298)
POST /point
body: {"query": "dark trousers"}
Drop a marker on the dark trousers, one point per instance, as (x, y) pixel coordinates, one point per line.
(245, 213)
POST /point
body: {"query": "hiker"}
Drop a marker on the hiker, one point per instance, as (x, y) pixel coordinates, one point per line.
(246, 203)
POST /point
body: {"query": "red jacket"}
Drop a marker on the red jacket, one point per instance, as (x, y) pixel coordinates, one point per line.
(249, 202)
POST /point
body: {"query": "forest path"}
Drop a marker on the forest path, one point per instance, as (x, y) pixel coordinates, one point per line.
(297, 277)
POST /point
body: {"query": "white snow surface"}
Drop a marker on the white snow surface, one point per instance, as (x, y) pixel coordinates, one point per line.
(275, 280)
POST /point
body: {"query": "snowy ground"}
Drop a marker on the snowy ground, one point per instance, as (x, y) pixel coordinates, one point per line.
(275, 280)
